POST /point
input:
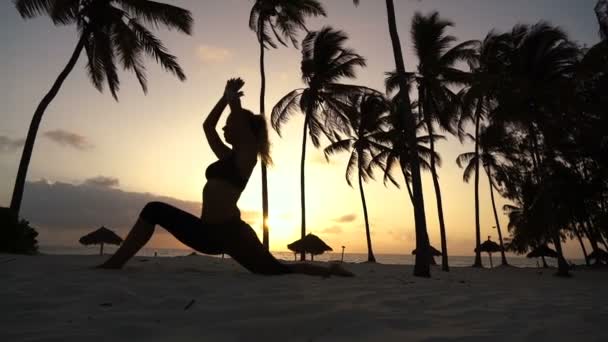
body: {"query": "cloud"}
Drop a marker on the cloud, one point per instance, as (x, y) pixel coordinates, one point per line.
(63, 212)
(101, 181)
(213, 54)
(65, 138)
(9, 145)
(335, 229)
(346, 218)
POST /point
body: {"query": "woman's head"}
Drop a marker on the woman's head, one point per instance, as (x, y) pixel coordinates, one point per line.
(243, 124)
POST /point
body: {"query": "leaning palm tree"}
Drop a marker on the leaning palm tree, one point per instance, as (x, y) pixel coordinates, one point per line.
(365, 119)
(422, 265)
(107, 30)
(284, 18)
(323, 102)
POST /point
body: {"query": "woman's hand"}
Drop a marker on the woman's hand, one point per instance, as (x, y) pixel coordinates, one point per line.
(232, 91)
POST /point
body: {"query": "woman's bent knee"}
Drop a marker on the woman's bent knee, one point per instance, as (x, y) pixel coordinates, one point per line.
(152, 212)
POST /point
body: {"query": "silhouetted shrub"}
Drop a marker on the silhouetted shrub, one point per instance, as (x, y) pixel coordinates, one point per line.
(16, 236)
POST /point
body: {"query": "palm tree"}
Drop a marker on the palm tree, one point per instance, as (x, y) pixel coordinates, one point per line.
(493, 141)
(325, 61)
(284, 18)
(108, 29)
(476, 101)
(541, 68)
(366, 119)
(436, 73)
(601, 11)
(422, 265)
(392, 148)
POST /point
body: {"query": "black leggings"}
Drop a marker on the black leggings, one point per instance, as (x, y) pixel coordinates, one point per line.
(235, 238)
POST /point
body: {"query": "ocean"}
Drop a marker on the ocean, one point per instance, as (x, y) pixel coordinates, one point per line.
(399, 259)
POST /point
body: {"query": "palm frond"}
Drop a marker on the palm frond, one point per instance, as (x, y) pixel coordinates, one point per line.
(94, 63)
(155, 48)
(339, 146)
(464, 159)
(351, 167)
(33, 8)
(157, 13)
(105, 53)
(285, 108)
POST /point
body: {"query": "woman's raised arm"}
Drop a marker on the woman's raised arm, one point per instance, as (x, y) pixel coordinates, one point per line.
(230, 97)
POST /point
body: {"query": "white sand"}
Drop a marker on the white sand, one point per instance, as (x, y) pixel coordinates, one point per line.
(59, 298)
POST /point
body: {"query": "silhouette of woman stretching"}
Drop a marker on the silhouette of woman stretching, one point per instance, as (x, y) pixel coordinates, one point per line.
(220, 228)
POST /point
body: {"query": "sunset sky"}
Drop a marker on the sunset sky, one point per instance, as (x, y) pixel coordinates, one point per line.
(145, 146)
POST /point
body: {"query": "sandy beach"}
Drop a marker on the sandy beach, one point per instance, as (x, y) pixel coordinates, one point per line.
(198, 298)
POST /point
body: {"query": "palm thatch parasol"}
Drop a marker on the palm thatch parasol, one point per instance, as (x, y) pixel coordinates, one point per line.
(101, 236)
(542, 252)
(434, 253)
(489, 247)
(309, 244)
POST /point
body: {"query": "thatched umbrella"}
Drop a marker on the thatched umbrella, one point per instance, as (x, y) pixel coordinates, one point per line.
(101, 236)
(489, 247)
(434, 253)
(542, 252)
(309, 244)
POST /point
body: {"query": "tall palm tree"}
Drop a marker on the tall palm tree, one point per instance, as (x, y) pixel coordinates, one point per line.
(284, 18)
(366, 119)
(107, 29)
(323, 102)
(435, 75)
(422, 265)
(476, 101)
(493, 142)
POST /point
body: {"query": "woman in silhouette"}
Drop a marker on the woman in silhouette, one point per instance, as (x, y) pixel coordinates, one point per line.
(220, 228)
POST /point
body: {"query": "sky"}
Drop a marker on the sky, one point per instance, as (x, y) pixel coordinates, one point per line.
(98, 161)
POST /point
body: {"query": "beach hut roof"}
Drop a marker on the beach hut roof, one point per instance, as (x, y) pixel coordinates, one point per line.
(434, 251)
(101, 235)
(309, 244)
(489, 246)
(541, 251)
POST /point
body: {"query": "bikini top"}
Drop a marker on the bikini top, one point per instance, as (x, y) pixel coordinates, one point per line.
(227, 170)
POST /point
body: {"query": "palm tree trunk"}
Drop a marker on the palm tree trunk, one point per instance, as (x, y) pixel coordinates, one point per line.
(590, 237)
(409, 189)
(544, 262)
(580, 241)
(421, 268)
(101, 249)
(302, 188)
(562, 265)
(370, 253)
(265, 237)
(477, 262)
(35, 124)
(502, 247)
(429, 126)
